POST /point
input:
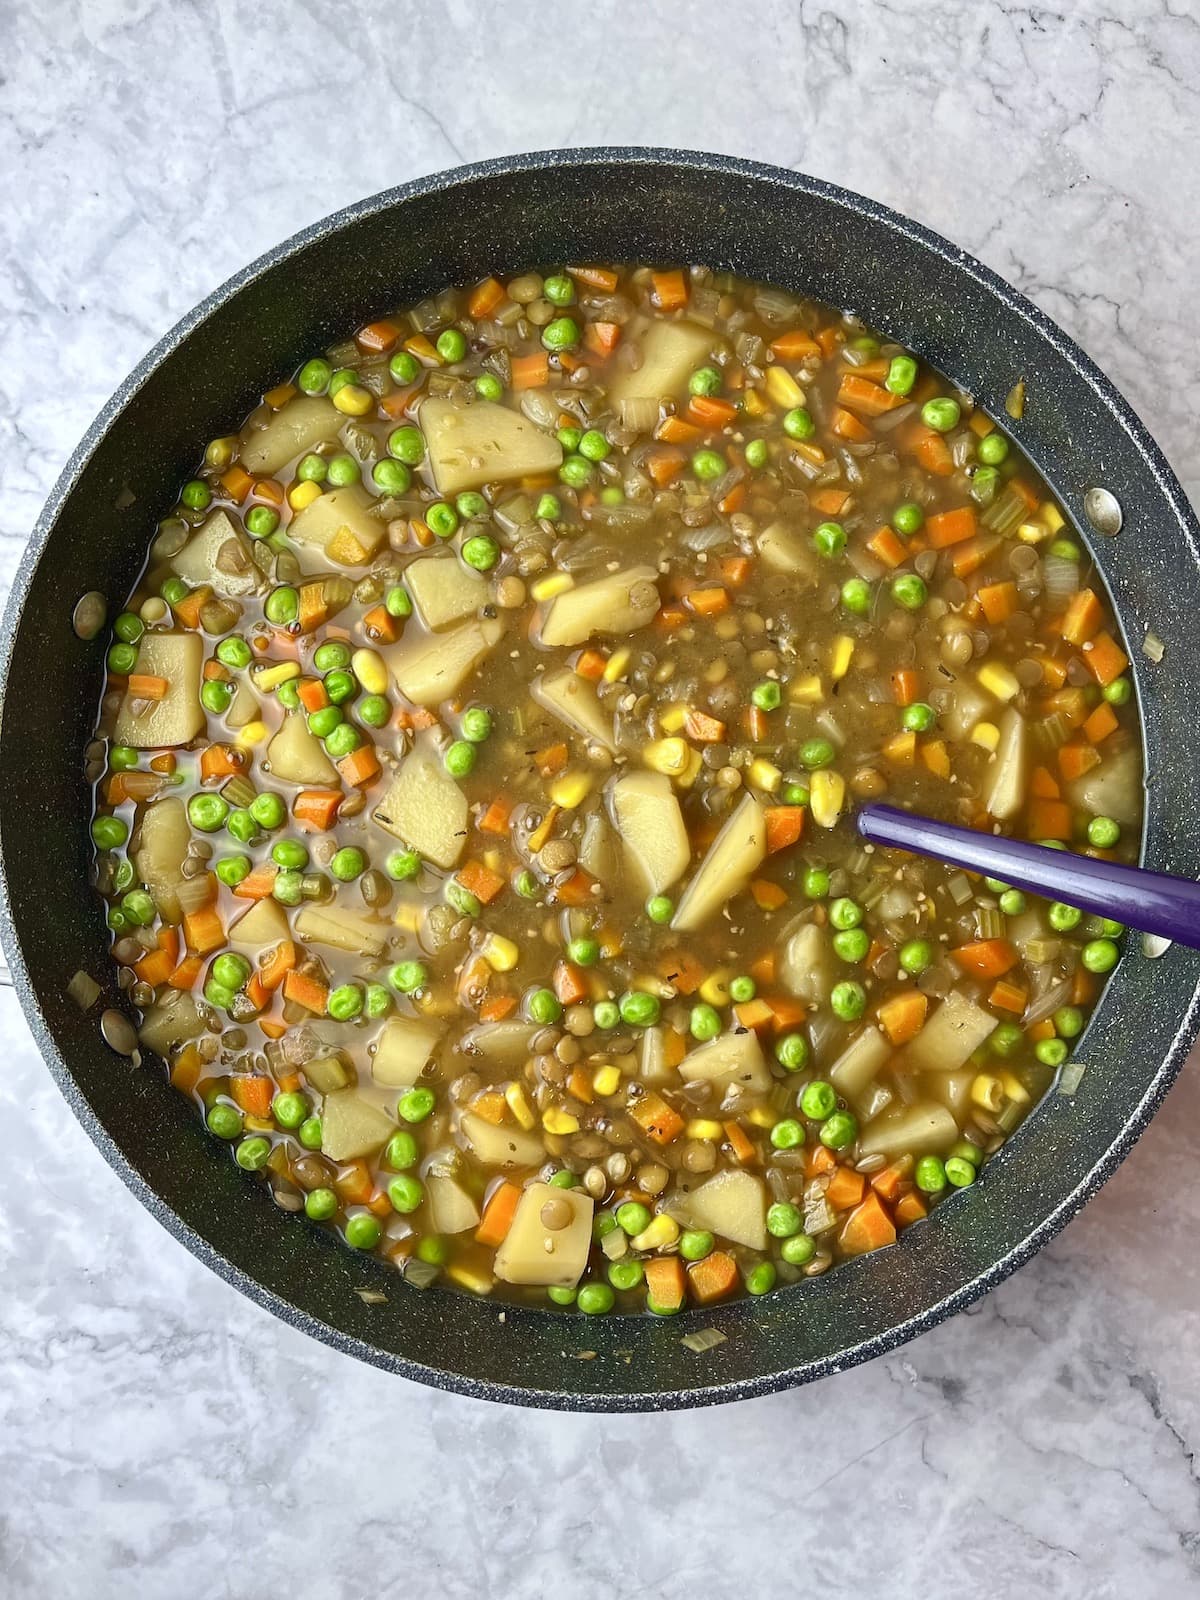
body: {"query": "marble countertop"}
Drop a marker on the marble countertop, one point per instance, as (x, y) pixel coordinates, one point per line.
(159, 1435)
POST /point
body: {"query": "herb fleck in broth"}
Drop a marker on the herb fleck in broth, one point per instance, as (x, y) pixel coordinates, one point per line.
(481, 744)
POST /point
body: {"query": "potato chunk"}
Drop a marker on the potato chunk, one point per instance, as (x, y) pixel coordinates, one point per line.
(807, 965)
(170, 1021)
(856, 1067)
(341, 930)
(338, 524)
(178, 717)
(671, 351)
(264, 925)
(734, 854)
(504, 1147)
(220, 555)
(735, 1060)
(733, 1204)
(425, 808)
(787, 552)
(573, 700)
(304, 422)
(431, 669)
(443, 590)
(296, 755)
(352, 1126)
(650, 822)
(403, 1048)
(954, 1031)
(164, 834)
(619, 602)
(483, 443)
(451, 1208)
(548, 1242)
(1008, 774)
(919, 1129)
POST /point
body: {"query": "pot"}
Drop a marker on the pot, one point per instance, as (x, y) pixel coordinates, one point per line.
(504, 216)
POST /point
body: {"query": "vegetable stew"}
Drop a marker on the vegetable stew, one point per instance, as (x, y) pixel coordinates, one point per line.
(479, 748)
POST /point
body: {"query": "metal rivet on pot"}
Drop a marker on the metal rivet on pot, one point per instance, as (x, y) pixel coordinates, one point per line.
(90, 614)
(118, 1033)
(1103, 511)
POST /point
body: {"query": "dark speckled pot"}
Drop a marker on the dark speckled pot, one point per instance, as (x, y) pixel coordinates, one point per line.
(502, 216)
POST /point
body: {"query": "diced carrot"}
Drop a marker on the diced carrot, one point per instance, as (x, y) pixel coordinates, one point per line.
(845, 1188)
(656, 1118)
(484, 298)
(886, 545)
(684, 970)
(237, 483)
(602, 278)
(932, 451)
(257, 885)
(187, 1070)
(860, 394)
(1043, 785)
(736, 569)
(675, 430)
(168, 940)
(1105, 659)
(666, 1283)
(670, 618)
(785, 825)
(910, 1208)
(999, 601)
(1054, 671)
(708, 602)
(146, 686)
(531, 371)
(272, 1029)
(664, 463)
(306, 991)
(950, 527)
(591, 664)
(267, 489)
(312, 694)
(890, 1182)
(669, 290)
(278, 962)
(221, 761)
(767, 896)
(576, 891)
(280, 395)
(1076, 759)
(906, 686)
(497, 1007)
(903, 1016)
(970, 556)
(787, 1012)
(165, 763)
(187, 611)
(203, 931)
(253, 1092)
(754, 720)
(754, 1014)
(491, 1105)
(1071, 704)
(1049, 819)
(1082, 618)
(829, 502)
(674, 1047)
(378, 337)
(379, 624)
(313, 606)
(155, 967)
(216, 671)
(1008, 996)
(498, 1214)
(1083, 987)
(698, 725)
(847, 426)
(828, 339)
(317, 808)
(1101, 723)
(354, 1184)
(709, 411)
(901, 748)
(495, 819)
(421, 347)
(868, 1227)
(569, 983)
(986, 958)
(1037, 1031)
(713, 1278)
(480, 881)
(552, 758)
(602, 338)
(360, 768)
(733, 501)
(936, 757)
(740, 1143)
(795, 346)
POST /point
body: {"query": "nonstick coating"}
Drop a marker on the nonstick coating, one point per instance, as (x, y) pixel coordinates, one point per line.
(504, 216)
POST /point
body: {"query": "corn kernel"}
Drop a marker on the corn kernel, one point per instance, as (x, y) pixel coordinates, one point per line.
(673, 717)
(272, 677)
(782, 388)
(494, 860)
(806, 691)
(501, 954)
(995, 677)
(662, 1231)
(705, 1128)
(473, 1279)
(409, 917)
(841, 656)
(827, 796)
(352, 400)
(1033, 532)
(1049, 513)
(987, 1091)
(553, 583)
(753, 404)
(764, 774)
(691, 772)
(714, 991)
(555, 1120)
(1014, 1088)
(614, 667)
(258, 1124)
(518, 1104)
(571, 789)
(252, 733)
(606, 1080)
(370, 671)
(667, 755)
(303, 494)
(760, 1117)
(986, 734)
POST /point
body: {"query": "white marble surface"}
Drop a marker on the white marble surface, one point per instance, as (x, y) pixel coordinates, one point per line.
(159, 1436)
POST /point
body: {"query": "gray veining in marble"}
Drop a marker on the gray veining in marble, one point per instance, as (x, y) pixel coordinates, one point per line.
(161, 1437)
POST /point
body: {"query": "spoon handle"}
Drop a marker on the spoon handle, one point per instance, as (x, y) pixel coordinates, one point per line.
(1152, 902)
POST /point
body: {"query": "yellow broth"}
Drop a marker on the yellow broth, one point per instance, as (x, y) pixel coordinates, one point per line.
(482, 743)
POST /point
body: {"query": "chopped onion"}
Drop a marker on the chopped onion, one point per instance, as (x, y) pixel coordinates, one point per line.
(421, 1274)
(640, 413)
(1153, 648)
(84, 990)
(959, 888)
(893, 419)
(1070, 1077)
(1061, 577)
(705, 1339)
(1046, 1004)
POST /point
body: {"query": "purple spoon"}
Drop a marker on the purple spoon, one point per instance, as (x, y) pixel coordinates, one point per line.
(1152, 902)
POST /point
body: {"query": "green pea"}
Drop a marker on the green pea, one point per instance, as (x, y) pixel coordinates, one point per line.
(348, 864)
(122, 758)
(333, 654)
(798, 423)
(901, 375)
(416, 1105)
(818, 1100)
(404, 368)
(916, 956)
(288, 694)
(261, 521)
(787, 1134)
(1051, 1052)
(985, 483)
(342, 378)
(215, 696)
(314, 376)
(481, 552)
(460, 758)
(374, 710)
(379, 1001)
(594, 1299)
(283, 606)
(660, 908)
(234, 652)
(638, 1009)
(231, 971)
(343, 470)
(583, 952)
(252, 1154)
(433, 1249)
(231, 870)
(705, 381)
(633, 1217)
(549, 508)
(1062, 918)
(576, 472)
(310, 1132)
(544, 1007)
(340, 686)
(1065, 549)
(402, 865)
(559, 289)
(407, 444)
(856, 596)
(124, 875)
(708, 465)
(569, 438)
(799, 1250)
(929, 1175)
(225, 1121)
(174, 590)
(560, 334)
(829, 538)
(312, 469)
(1012, 902)
(757, 454)
(562, 1179)
(406, 1194)
(320, 1205)
(1100, 955)
(242, 826)
(742, 989)
(761, 1278)
(851, 944)
(122, 658)
(992, 449)
(909, 591)
(268, 810)
(391, 477)
(1119, 692)
(959, 1174)
(346, 1002)
(849, 1001)
(1110, 929)
(918, 718)
(705, 1022)
(196, 495)
(139, 907)
(129, 627)
(816, 753)
(816, 883)
(1103, 832)
(288, 887)
(594, 446)
(845, 913)
(606, 1014)
(626, 1274)
(408, 976)
(783, 1220)
(451, 345)
(442, 520)
(343, 741)
(838, 1130)
(941, 415)
(908, 518)
(363, 1231)
(1007, 1039)
(402, 1151)
(289, 1108)
(767, 695)
(218, 995)
(695, 1244)
(966, 1150)
(791, 1052)
(207, 812)
(562, 1294)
